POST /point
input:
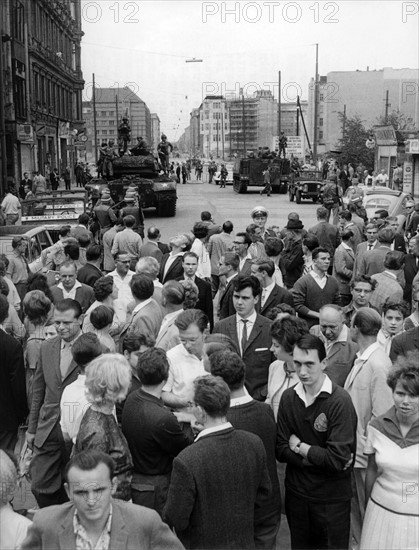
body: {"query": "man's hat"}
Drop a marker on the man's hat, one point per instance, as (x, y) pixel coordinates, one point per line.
(106, 197)
(259, 211)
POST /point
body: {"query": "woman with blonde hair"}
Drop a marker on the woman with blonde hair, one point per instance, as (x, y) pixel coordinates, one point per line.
(108, 379)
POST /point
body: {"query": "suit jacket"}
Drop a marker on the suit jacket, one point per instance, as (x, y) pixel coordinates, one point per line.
(13, 404)
(164, 248)
(233, 460)
(404, 342)
(410, 271)
(277, 296)
(225, 305)
(372, 261)
(89, 274)
(399, 243)
(168, 336)
(257, 356)
(205, 302)
(217, 246)
(84, 296)
(246, 270)
(132, 527)
(327, 235)
(145, 321)
(343, 265)
(47, 388)
(175, 271)
(150, 249)
(339, 359)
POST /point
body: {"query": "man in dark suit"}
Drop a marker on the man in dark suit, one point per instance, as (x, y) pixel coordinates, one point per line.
(205, 303)
(372, 261)
(399, 244)
(247, 414)
(55, 371)
(25, 182)
(13, 405)
(412, 218)
(90, 272)
(272, 294)
(241, 244)
(89, 484)
(250, 333)
(229, 265)
(70, 287)
(171, 267)
(411, 267)
(151, 247)
(326, 233)
(371, 243)
(224, 470)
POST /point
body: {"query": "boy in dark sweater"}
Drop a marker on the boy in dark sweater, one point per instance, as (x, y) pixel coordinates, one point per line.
(252, 416)
(317, 439)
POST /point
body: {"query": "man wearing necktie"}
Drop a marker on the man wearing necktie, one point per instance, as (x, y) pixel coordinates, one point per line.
(251, 334)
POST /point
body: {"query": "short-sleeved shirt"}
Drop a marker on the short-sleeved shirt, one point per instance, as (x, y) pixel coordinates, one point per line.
(184, 368)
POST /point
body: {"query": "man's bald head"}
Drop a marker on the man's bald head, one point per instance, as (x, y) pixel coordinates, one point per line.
(331, 321)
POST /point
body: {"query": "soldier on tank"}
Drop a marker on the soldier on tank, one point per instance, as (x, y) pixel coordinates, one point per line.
(124, 135)
(141, 148)
(164, 149)
(110, 155)
(283, 143)
(102, 154)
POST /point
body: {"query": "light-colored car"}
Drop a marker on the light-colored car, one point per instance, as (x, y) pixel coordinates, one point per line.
(37, 237)
(383, 198)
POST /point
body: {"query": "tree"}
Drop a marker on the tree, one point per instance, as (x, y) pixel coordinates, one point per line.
(399, 121)
(352, 143)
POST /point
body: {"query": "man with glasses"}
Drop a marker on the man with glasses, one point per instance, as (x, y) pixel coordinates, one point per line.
(362, 288)
(241, 244)
(56, 370)
(412, 218)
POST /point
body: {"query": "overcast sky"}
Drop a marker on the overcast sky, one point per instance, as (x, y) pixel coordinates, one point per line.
(145, 45)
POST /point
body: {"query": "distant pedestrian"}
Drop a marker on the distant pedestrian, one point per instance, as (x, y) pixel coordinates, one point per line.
(11, 206)
(223, 176)
(267, 182)
(67, 179)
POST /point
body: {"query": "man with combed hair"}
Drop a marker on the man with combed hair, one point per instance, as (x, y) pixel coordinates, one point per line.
(367, 386)
(91, 271)
(70, 288)
(250, 333)
(336, 336)
(128, 241)
(224, 470)
(317, 440)
(326, 233)
(150, 266)
(272, 294)
(218, 245)
(247, 414)
(228, 271)
(160, 439)
(173, 296)
(92, 518)
(190, 269)
(147, 315)
(372, 261)
(171, 264)
(56, 370)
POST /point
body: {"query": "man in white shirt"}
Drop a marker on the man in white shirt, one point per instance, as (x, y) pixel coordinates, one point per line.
(70, 287)
(241, 245)
(393, 314)
(73, 402)
(11, 207)
(382, 178)
(128, 241)
(367, 386)
(122, 276)
(185, 359)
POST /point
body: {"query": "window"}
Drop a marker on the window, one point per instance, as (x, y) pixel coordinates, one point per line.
(18, 22)
(111, 132)
(111, 113)
(102, 113)
(320, 135)
(206, 114)
(105, 132)
(321, 122)
(202, 127)
(207, 126)
(321, 97)
(111, 123)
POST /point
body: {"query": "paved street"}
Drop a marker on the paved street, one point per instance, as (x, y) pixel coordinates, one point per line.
(225, 204)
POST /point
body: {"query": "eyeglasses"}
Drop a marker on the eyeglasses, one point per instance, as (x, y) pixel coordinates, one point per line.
(236, 242)
(362, 290)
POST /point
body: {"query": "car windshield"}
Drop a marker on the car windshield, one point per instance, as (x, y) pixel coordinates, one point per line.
(380, 202)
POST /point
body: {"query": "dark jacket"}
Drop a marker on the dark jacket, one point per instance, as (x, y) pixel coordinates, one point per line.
(84, 296)
(277, 296)
(327, 235)
(404, 342)
(89, 274)
(257, 356)
(410, 271)
(216, 484)
(205, 302)
(226, 306)
(175, 271)
(13, 405)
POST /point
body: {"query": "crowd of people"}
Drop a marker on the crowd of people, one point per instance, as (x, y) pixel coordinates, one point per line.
(187, 394)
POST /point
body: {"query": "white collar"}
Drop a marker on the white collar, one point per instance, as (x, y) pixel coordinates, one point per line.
(77, 285)
(326, 387)
(170, 316)
(228, 279)
(140, 306)
(236, 401)
(216, 429)
(317, 276)
(364, 356)
(390, 274)
(344, 245)
(251, 318)
(268, 289)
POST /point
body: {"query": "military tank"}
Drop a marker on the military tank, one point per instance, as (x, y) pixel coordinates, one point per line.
(156, 190)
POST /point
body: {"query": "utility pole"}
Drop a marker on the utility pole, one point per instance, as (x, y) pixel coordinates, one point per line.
(94, 117)
(222, 132)
(3, 148)
(316, 105)
(116, 112)
(344, 122)
(229, 121)
(387, 106)
(244, 127)
(217, 114)
(279, 105)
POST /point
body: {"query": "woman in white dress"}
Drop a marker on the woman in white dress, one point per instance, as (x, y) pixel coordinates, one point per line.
(392, 517)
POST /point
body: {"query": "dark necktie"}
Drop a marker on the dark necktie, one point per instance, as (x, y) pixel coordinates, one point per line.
(244, 335)
(370, 247)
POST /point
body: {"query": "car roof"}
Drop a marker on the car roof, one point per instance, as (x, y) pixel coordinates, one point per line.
(381, 190)
(28, 230)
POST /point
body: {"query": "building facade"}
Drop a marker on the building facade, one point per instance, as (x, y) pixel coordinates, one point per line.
(41, 84)
(368, 94)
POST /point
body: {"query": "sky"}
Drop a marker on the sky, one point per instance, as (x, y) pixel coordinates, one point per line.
(145, 45)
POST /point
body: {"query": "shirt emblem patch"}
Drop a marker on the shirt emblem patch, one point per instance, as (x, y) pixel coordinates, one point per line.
(320, 424)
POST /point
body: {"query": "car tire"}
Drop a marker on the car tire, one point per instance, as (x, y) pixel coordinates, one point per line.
(298, 197)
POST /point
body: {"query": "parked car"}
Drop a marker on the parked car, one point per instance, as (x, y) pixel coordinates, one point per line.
(307, 185)
(38, 238)
(61, 207)
(383, 198)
